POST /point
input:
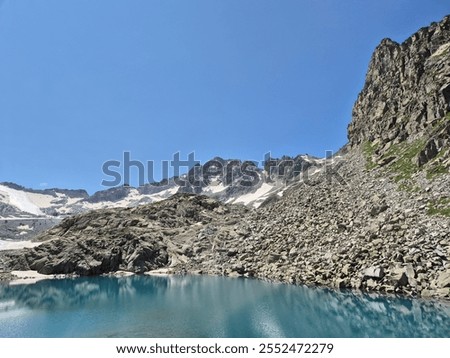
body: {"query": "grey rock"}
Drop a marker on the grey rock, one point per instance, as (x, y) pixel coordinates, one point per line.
(374, 272)
(398, 277)
(443, 279)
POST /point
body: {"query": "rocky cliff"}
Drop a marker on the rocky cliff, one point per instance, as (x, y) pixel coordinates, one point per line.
(406, 97)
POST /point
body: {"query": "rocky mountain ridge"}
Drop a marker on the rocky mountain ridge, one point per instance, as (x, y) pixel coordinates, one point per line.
(26, 212)
(406, 99)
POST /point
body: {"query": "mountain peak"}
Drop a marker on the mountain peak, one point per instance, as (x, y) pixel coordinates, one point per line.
(407, 94)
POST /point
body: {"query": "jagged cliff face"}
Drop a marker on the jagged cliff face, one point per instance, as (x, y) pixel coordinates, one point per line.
(407, 93)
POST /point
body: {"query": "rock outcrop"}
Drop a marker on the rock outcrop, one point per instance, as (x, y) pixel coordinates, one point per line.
(137, 239)
(407, 94)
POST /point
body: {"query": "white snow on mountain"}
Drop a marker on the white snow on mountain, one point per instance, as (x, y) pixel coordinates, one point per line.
(20, 200)
(162, 194)
(256, 198)
(16, 245)
(214, 188)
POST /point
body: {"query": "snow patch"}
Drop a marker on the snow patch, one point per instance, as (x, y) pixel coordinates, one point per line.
(24, 227)
(164, 194)
(17, 245)
(28, 277)
(255, 198)
(214, 189)
(20, 200)
(41, 200)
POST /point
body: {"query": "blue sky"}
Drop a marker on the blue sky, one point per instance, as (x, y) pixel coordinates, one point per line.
(82, 81)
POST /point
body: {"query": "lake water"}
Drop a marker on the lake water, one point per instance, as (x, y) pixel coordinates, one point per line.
(198, 306)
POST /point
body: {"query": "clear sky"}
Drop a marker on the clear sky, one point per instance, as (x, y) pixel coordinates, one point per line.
(82, 81)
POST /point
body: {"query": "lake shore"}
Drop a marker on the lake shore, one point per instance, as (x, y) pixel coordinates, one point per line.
(31, 277)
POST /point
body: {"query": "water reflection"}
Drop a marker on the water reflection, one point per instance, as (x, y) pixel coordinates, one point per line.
(185, 306)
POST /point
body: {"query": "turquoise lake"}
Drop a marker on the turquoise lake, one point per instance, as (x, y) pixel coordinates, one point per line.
(200, 306)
